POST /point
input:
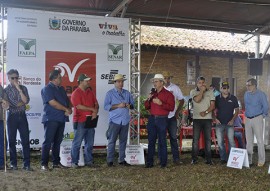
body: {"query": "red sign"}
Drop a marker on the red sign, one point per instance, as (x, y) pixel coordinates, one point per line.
(72, 64)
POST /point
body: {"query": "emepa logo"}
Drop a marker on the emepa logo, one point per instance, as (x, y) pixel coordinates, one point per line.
(26, 47)
(55, 23)
(71, 65)
(115, 52)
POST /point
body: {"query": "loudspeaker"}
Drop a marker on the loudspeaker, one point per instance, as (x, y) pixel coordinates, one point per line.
(255, 66)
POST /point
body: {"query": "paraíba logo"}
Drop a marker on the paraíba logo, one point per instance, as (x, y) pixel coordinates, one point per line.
(115, 52)
(110, 29)
(26, 47)
(68, 25)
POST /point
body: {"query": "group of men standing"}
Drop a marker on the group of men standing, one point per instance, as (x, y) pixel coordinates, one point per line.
(224, 109)
(164, 113)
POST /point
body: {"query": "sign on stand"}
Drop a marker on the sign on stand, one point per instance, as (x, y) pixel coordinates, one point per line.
(238, 158)
(135, 154)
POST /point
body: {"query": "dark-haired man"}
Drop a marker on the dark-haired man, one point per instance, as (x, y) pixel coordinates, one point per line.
(18, 98)
(227, 111)
(56, 111)
(203, 105)
(85, 104)
(256, 105)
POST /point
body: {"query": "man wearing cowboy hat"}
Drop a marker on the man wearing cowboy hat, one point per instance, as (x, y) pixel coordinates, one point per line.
(85, 104)
(160, 103)
(118, 102)
(174, 115)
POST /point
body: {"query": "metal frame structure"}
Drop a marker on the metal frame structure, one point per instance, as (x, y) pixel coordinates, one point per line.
(134, 82)
(3, 40)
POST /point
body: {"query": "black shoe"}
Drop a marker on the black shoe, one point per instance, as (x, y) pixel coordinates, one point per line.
(92, 165)
(27, 168)
(12, 167)
(177, 162)
(251, 165)
(163, 166)
(223, 162)
(149, 166)
(209, 163)
(110, 164)
(194, 161)
(124, 163)
(58, 166)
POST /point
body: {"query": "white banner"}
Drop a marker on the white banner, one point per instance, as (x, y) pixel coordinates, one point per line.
(40, 41)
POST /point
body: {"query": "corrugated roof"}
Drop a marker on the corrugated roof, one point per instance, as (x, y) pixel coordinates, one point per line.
(198, 39)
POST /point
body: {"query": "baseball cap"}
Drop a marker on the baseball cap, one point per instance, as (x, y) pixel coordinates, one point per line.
(83, 77)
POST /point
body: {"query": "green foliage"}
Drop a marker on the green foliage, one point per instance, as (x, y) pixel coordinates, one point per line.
(143, 112)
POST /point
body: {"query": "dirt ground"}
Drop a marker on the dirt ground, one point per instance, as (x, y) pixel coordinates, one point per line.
(184, 177)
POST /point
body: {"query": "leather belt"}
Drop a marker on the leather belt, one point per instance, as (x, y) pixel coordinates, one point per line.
(159, 116)
(254, 116)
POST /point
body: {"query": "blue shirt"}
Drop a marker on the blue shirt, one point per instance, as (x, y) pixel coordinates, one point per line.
(118, 115)
(255, 103)
(57, 93)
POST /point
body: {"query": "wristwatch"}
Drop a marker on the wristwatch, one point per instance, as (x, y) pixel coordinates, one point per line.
(206, 112)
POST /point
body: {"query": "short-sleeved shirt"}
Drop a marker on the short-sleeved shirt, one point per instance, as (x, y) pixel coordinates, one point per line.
(86, 98)
(15, 100)
(225, 108)
(203, 105)
(57, 93)
(176, 91)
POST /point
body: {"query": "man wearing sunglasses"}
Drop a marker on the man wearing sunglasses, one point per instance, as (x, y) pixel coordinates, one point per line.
(18, 98)
(256, 106)
(227, 111)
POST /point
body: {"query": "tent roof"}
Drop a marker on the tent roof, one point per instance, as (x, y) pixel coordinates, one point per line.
(243, 16)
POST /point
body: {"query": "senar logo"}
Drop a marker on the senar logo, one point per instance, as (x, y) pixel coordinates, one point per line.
(71, 64)
(115, 52)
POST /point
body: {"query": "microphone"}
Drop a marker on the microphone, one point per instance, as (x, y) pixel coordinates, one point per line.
(153, 90)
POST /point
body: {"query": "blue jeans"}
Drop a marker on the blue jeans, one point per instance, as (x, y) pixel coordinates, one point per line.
(156, 127)
(88, 134)
(18, 121)
(172, 130)
(2, 161)
(53, 137)
(220, 130)
(198, 126)
(239, 137)
(113, 132)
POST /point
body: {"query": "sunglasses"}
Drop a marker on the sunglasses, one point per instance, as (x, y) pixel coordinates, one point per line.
(13, 78)
(225, 88)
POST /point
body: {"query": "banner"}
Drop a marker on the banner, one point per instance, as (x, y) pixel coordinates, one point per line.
(40, 41)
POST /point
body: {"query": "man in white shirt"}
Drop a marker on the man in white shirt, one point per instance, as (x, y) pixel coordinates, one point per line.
(174, 115)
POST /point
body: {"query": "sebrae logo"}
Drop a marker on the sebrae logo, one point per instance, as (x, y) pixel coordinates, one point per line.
(115, 52)
(71, 65)
(26, 47)
(55, 23)
(110, 76)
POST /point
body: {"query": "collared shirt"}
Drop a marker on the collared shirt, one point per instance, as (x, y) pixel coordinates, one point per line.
(203, 105)
(86, 98)
(225, 108)
(255, 103)
(57, 93)
(167, 105)
(3, 95)
(118, 115)
(16, 104)
(176, 91)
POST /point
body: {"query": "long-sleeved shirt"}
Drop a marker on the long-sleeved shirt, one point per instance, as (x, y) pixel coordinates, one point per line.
(256, 103)
(14, 98)
(168, 103)
(118, 115)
